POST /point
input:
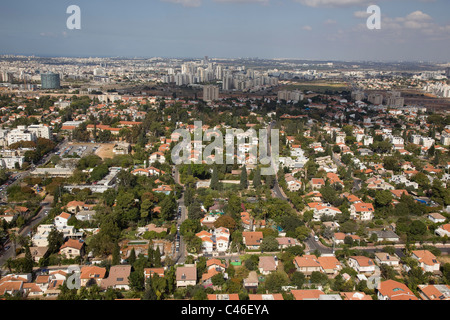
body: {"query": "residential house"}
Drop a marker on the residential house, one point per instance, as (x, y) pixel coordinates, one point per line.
(92, 275)
(362, 211)
(387, 259)
(307, 264)
(207, 242)
(223, 296)
(186, 276)
(443, 230)
(434, 291)
(286, 242)
(394, 290)
(362, 264)
(42, 281)
(11, 287)
(61, 220)
(157, 156)
(385, 235)
(215, 264)
(72, 248)
(32, 290)
(251, 282)
(150, 272)
(163, 189)
(292, 183)
(436, 217)
(261, 297)
(76, 206)
(321, 209)
(427, 261)
(222, 239)
(317, 183)
(334, 179)
(247, 221)
(38, 252)
(330, 265)
(117, 278)
(206, 280)
(252, 239)
(307, 294)
(355, 296)
(267, 264)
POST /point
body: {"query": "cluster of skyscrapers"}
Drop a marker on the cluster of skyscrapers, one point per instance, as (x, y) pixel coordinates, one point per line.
(210, 72)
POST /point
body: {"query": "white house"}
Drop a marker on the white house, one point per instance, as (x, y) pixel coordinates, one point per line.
(61, 220)
(436, 217)
(222, 237)
(207, 242)
(362, 211)
(362, 264)
(387, 259)
(427, 260)
(443, 230)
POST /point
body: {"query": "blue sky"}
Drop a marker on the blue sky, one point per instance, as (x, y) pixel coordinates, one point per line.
(303, 29)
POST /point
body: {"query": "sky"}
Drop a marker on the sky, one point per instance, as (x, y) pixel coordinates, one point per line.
(411, 30)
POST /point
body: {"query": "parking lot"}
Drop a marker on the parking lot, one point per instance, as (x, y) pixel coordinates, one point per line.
(79, 149)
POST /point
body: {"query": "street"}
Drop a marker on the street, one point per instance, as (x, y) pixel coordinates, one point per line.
(45, 205)
(26, 229)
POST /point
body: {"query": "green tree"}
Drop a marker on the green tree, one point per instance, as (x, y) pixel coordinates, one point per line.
(28, 261)
(168, 207)
(157, 258)
(116, 254)
(243, 184)
(218, 280)
(132, 257)
(136, 280)
(257, 178)
(275, 280)
(298, 279)
(55, 241)
(269, 244)
(214, 184)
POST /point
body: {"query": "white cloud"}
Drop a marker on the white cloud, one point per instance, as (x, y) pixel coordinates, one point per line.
(332, 3)
(264, 2)
(361, 14)
(198, 3)
(186, 3)
(307, 28)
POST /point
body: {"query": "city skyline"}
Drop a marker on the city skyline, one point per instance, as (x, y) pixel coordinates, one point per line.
(328, 30)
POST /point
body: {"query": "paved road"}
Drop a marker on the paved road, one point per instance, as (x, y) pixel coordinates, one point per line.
(28, 227)
(312, 245)
(45, 206)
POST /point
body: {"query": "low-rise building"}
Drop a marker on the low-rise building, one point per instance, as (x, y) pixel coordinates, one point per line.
(186, 276)
(394, 290)
(427, 261)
